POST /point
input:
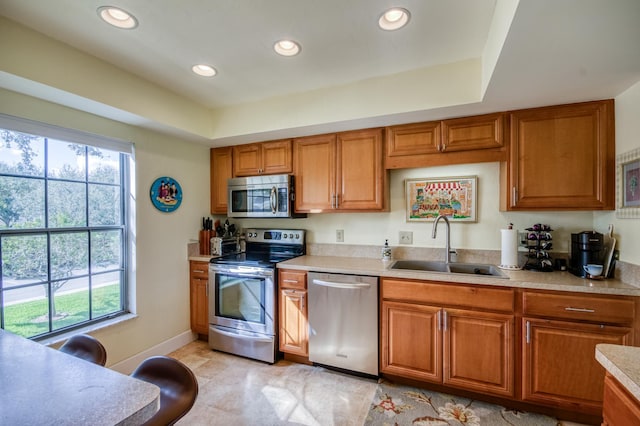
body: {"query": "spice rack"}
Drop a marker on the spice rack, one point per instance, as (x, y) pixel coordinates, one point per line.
(538, 242)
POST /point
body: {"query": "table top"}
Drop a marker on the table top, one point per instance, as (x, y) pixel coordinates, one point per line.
(41, 385)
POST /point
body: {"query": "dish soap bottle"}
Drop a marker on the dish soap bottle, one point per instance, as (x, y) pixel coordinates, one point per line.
(386, 251)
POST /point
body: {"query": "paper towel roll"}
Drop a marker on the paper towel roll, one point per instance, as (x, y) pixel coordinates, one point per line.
(509, 259)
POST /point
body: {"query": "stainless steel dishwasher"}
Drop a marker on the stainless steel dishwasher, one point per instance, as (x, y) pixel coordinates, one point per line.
(343, 321)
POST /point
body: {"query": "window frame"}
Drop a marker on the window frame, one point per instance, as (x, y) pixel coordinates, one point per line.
(125, 184)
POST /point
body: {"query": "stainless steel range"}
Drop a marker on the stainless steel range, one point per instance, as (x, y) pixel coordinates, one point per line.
(242, 289)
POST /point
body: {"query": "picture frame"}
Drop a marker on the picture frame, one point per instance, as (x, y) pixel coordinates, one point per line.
(454, 197)
(628, 185)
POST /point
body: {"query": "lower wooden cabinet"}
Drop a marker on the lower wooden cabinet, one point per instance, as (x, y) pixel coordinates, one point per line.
(560, 331)
(442, 344)
(559, 365)
(294, 337)
(620, 408)
(199, 280)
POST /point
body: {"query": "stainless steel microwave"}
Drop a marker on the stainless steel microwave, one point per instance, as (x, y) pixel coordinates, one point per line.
(261, 196)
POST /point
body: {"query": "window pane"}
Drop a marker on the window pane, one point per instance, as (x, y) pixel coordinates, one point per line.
(21, 203)
(26, 311)
(69, 255)
(66, 160)
(70, 302)
(67, 204)
(104, 205)
(24, 260)
(106, 249)
(21, 154)
(104, 166)
(106, 297)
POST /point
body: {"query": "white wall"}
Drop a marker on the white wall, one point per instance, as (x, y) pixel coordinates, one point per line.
(627, 231)
(374, 228)
(162, 284)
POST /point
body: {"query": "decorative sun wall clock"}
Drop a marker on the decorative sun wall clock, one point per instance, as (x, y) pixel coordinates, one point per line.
(166, 194)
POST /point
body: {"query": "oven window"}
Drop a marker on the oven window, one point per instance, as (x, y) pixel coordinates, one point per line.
(240, 298)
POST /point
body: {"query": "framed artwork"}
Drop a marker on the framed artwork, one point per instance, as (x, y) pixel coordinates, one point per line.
(166, 194)
(454, 197)
(628, 185)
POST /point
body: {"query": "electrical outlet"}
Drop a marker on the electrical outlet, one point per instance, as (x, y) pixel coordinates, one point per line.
(405, 237)
(339, 235)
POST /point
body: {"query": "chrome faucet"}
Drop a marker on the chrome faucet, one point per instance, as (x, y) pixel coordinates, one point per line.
(447, 244)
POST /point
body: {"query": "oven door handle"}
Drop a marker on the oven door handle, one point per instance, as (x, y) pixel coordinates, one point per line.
(346, 286)
(243, 273)
(242, 336)
(274, 199)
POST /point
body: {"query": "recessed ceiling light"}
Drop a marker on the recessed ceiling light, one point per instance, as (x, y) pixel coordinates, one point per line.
(394, 19)
(286, 48)
(204, 70)
(117, 17)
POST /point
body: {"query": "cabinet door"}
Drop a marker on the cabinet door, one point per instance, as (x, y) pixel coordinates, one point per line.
(620, 407)
(410, 145)
(489, 370)
(559, 365)
(293, 322)
(199, 273)
(277, 157)
(562, 158)
(361, 175)
(247, 160)
(221, 171)
(315, 172)
(473, 133)
(411, 342)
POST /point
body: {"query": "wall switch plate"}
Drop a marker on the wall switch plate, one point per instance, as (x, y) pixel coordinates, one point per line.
(405, 237)
(339, 235)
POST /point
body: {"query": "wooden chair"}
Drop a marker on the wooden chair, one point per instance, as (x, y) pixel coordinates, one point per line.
(178, 387)
(85, 347)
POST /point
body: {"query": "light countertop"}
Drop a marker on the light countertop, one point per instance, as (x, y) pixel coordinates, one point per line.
(41, 385)
(623, 363)
(559, 281)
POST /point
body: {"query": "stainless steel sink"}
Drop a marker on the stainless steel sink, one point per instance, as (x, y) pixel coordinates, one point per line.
(421, 265)
(451, 268)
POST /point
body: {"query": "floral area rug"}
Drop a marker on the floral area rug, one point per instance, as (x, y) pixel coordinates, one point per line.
(401, 405)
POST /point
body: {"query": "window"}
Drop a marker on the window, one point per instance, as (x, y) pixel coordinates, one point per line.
(63, 228)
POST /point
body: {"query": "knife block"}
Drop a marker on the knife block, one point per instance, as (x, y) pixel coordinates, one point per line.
(205, 241)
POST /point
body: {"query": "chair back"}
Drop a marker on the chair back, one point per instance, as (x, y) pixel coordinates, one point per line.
(178, 387)
(85, 347)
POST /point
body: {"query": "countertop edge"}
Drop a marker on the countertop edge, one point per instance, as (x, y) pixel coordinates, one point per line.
(559, 281)
(621, 362)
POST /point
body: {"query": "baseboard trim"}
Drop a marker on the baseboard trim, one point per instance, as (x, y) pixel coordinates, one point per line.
(128, 365)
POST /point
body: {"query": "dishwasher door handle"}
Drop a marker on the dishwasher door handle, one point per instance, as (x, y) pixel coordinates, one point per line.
(345, 286)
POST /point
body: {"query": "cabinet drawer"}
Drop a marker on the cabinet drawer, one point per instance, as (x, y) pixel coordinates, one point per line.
(579, 307)
(470, 296)
(292, 279)
(199, 269)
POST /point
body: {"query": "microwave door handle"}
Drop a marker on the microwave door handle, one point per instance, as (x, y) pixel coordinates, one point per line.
(274, 199)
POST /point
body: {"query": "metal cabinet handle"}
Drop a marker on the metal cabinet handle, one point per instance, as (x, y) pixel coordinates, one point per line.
(514, 195)
(528, 331)
(198, 271)
(438, 322)
(290, 281)
(444, 320)
(587, 310)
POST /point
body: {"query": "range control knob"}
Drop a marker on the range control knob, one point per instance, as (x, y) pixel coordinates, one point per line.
(285, 236)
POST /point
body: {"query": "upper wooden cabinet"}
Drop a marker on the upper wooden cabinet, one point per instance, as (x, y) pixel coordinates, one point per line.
(460, 140)
(221, 171)
(561, 158)
(266, 158)
(340, 172)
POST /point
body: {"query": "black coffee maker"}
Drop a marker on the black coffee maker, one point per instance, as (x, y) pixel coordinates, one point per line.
(586, 248)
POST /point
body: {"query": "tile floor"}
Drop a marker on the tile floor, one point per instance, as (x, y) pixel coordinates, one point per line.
(242, 392)
(237, 391)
